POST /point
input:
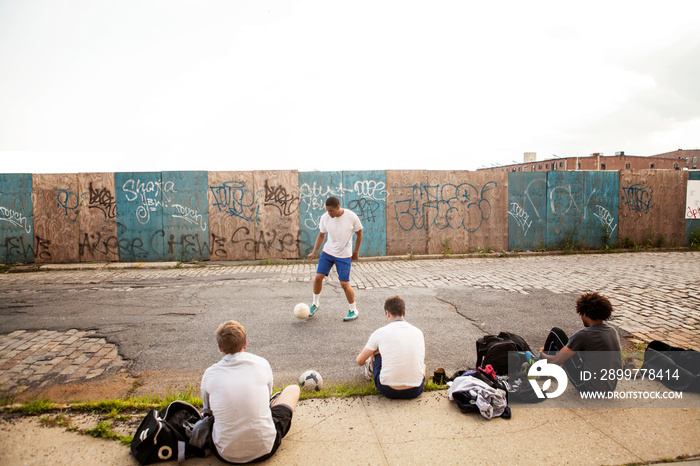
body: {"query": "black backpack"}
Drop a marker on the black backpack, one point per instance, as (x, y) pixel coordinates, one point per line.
(162, 436)
(679, 368)
(501, 351)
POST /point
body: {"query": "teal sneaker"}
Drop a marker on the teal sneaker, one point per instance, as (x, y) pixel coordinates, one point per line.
(352, 315)
(313, 310)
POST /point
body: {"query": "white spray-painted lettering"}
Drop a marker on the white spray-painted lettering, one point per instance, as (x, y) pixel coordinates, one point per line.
(606, 218)
(148, 194)
(371, 189)
(189, 215)
(520, 216)
(529, 198)
(14, 218)
(370, 193)
(314, 197)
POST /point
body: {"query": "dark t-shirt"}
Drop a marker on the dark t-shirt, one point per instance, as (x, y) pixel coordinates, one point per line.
(599, 349)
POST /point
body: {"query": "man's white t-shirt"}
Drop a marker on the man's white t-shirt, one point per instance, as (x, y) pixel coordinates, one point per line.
(339, 232)
(237, 389)
(403, 353)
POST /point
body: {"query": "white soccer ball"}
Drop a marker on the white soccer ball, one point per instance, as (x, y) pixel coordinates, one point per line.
(301, 311)
(310, 381)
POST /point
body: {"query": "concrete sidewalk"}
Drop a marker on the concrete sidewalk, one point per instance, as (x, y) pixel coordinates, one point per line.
(428, 430)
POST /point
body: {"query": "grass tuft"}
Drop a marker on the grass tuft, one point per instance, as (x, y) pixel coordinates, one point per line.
(103, 429)
(59, 420)
(345, 390)
(36, 407)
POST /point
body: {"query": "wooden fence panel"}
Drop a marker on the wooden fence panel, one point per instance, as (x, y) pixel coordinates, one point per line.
(98, 239)
(277, 236)
(486, 202)
(448, 219)
(692, 214)
(56, 204)
(233, 214)
(16, 219)
(651, 206)
(406, 220)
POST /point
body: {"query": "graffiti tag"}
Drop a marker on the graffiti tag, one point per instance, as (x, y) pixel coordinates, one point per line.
(637, 198)
(14, 218)
(462, 206)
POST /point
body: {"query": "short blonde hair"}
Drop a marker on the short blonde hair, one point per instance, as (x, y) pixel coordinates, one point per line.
(231, 337)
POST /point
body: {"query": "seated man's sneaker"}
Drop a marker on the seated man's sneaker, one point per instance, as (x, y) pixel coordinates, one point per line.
(352, 315)
(368, 369)
(312, 310)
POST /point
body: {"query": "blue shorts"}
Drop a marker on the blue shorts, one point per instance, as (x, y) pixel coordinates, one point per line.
(389, 392)
(342, 266)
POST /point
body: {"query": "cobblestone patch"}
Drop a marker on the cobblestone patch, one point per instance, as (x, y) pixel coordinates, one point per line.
(37, 358)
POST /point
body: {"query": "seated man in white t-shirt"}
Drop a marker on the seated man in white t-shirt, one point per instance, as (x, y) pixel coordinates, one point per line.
(396, 354)
(247, 426)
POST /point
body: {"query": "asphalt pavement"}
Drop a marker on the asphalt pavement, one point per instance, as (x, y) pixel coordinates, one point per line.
(84, 325)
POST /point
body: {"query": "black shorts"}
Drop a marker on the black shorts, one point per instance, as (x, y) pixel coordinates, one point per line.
(282, 417)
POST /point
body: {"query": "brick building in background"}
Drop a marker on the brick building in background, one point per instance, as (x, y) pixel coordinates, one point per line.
(676, 160)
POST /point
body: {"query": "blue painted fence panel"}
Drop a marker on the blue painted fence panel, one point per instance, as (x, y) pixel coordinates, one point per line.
(314, 189)
(140, 215)
(604, 208)
(16, 219)
(368, 200)
(186, 216)
(527, 210)
(582, 207)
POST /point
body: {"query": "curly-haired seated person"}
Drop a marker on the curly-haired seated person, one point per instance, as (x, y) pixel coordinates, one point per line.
(590, 351)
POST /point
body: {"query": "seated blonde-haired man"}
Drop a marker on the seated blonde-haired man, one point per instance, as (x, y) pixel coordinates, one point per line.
(248, 426)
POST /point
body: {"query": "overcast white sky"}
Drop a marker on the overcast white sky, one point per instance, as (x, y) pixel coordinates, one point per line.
(146, 85)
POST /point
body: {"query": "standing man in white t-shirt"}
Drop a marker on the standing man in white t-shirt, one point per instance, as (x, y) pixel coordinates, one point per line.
(395, 354)
(339, 224)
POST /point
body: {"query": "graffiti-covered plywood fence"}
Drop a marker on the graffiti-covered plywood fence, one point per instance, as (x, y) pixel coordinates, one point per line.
(199, 216)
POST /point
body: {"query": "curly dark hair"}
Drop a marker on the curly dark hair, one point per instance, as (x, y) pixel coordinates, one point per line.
(594, 306)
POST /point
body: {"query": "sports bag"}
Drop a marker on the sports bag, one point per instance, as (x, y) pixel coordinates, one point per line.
(501, 350)
(162, 435)
(519, 389)
(519, 341)
(679, 368)
(463, 392)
